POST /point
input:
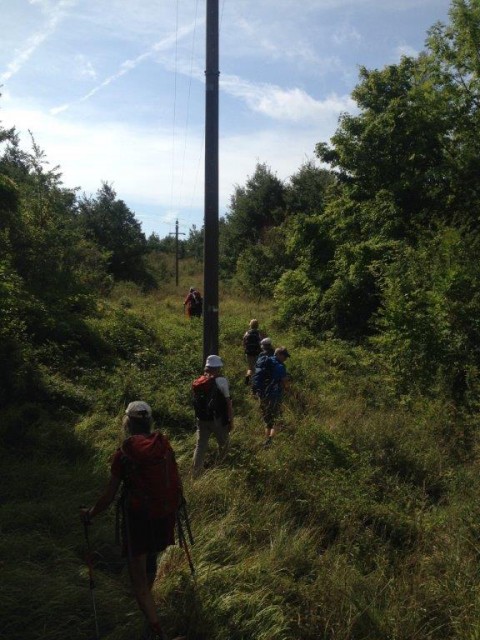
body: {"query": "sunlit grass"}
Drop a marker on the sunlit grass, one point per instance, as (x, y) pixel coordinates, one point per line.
(361, 522)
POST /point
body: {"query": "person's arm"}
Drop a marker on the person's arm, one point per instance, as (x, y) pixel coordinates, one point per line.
(104, 501)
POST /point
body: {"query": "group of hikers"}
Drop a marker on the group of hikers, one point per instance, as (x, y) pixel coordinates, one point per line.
(267, 375)
(145, 471)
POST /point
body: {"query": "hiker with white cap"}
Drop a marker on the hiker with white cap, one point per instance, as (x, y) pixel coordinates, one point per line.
(213, 411)
(146, 470)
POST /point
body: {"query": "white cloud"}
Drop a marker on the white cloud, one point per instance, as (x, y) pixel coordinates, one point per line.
(293, 105)
(346, 34)
(55, 14)
(85, 68)
(138, 161)
(405, 50)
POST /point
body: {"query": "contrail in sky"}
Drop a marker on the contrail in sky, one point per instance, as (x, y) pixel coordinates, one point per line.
(129, 65)
(21, 57)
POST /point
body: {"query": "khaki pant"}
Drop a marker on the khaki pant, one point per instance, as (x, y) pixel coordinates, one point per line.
(205, 428)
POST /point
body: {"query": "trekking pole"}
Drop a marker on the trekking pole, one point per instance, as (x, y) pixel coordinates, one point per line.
(183, 543)
(184, 514)
(88, 559)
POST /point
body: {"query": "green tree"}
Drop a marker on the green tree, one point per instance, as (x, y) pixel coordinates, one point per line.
(305, 191)
(429, 319)
(113, 226)
(49, 273)
(254, 209)
(194, 243)
(454, 65)
(406, 162)
(260, 266)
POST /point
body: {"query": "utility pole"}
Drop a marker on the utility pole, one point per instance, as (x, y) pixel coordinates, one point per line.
(176, 234)
(210, 262)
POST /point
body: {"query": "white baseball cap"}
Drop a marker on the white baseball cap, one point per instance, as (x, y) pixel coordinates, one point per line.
(214, 362)
(138, 409)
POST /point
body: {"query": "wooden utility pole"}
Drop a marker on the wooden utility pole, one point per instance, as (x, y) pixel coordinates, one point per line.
(210, 262)
(176, 234)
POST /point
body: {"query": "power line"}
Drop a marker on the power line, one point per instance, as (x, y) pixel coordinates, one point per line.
(188, 99)
(174, 107)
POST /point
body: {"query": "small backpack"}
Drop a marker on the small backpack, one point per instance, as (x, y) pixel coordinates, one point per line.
(151, 480)
(208, 401)
(251, 342)
(262, 380)
(197, 301)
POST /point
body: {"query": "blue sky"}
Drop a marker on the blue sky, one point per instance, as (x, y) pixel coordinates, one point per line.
(113, 90)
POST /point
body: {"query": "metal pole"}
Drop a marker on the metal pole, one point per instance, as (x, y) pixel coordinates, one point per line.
(176, 250)
(210, 262)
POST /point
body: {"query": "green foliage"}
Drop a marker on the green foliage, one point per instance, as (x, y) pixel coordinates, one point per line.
(361, 521)
(110, 224)
(407, 159)
(254, 208)
(357, 512)
(260, 266)
(306, 190)
(430, 316)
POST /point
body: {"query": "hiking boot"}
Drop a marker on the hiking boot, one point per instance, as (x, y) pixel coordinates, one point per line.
(247, 379)
(268, 442)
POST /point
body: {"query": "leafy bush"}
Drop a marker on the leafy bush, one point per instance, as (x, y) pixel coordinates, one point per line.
(429, 320)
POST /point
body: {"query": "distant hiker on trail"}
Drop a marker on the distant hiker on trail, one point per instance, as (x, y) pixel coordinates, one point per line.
(193, 303)
(251, 346)
(213, 411)
(267, 348)
(268, 384)
(151, 495)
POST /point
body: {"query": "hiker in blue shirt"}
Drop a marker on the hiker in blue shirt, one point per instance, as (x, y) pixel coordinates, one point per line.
(269, 385)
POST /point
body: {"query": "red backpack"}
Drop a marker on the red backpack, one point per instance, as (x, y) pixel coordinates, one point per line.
(151, 481)
(208, 401)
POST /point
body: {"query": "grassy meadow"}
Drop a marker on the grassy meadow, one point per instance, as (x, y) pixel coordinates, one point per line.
(360, 522)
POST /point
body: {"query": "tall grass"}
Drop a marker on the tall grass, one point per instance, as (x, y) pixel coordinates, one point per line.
(361, 522)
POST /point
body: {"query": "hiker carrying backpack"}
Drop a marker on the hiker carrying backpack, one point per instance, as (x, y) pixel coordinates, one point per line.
(268, 385)
(151, 481)
(263, 380)
(251, 342)
(209, 403)
(251, 346)
(213, 411)
(193, 303)
(152, 493)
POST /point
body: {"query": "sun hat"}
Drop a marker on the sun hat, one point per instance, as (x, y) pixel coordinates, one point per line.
(214, 362)
(265, 342)
(138, 409)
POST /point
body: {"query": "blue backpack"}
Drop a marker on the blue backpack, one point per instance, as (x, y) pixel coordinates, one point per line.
(262, 380)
